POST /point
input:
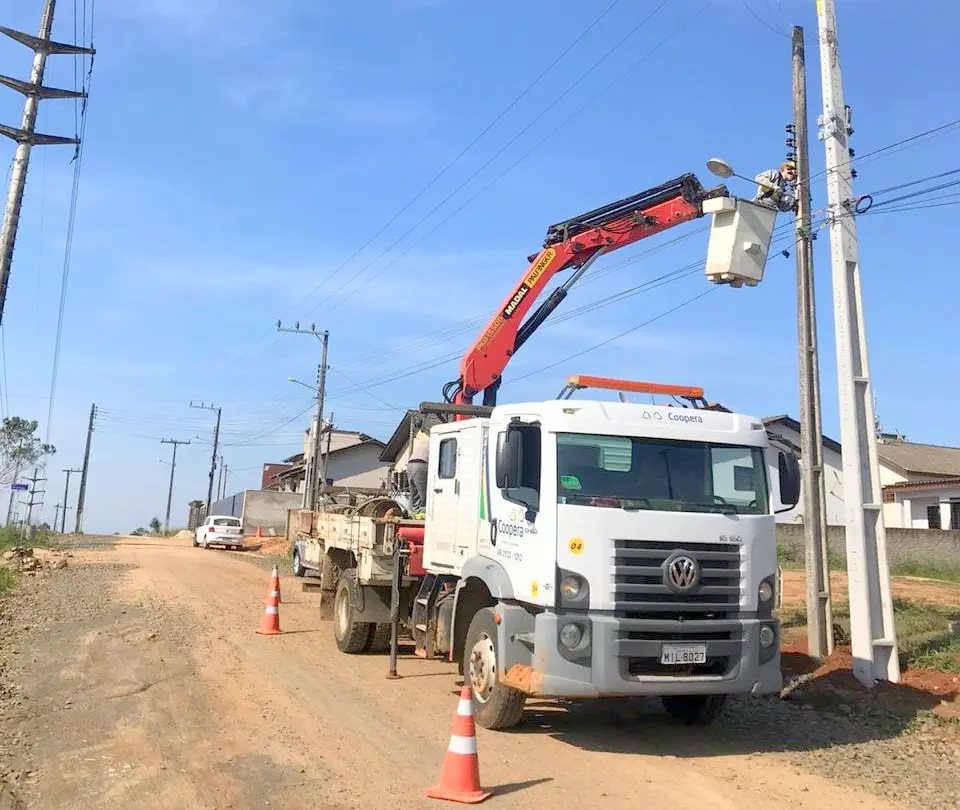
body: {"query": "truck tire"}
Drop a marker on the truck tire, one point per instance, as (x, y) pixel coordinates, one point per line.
(694, 710)
(298, 569)
(495, 706)
(379, 637)
(352, 636)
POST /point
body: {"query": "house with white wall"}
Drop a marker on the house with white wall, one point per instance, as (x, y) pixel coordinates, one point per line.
(786, 429)
(352, 463)
(921, 484)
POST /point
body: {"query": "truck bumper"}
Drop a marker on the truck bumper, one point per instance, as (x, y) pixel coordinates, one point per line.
(611, 663)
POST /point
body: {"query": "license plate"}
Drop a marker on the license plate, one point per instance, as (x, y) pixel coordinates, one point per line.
(683, 654)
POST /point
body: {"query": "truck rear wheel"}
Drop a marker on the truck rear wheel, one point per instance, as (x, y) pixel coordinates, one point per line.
(495, 706)
(352, 636)
(694, 710)
(379, 637)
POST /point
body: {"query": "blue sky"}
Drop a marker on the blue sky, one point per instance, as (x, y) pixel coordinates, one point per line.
(237, 153)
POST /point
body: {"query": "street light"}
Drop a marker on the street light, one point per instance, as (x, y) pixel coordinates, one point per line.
(305, 385)
(722, 169)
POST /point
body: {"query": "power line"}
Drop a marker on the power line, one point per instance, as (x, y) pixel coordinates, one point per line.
(532, 123)
(79, 101)
(466, 325)
(608, 341)
(499, 117)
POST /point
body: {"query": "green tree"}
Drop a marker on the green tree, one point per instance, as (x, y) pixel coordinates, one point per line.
(20, 448)
(155, 525)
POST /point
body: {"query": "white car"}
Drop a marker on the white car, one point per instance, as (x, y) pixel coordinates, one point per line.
(219, 530)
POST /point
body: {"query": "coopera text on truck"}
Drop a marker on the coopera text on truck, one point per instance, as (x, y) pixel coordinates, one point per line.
(574, 548)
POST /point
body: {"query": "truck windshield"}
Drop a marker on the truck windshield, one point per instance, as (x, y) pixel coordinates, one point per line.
(660, 474)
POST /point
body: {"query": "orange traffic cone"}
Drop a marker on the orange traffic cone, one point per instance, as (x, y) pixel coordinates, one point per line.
(460, 777)
(274, 589)
(270, 623)
(259, 531)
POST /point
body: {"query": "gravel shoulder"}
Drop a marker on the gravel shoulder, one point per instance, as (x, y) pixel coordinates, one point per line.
(134, 678)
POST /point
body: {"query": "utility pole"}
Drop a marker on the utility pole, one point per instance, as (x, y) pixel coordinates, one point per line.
(819, 612)
(216, 446)
(173, 467)
(872, 631)
(312, 470)
(326, 454)
(221, 486)
(226, 472)
(26, 136)
(33, 493)
(66, 500)
(82, 497)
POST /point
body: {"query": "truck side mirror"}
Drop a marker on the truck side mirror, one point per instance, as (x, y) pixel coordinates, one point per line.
(509, 458)
(789, 469)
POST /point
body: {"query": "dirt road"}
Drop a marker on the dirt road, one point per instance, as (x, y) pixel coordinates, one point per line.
(140, 683)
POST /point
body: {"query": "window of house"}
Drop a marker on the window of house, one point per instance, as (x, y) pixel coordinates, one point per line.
(933, 516)
(447, 468)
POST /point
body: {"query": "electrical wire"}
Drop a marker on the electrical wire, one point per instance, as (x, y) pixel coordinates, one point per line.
(537, 119)
(610, 340)
(84, 87)
(578, 114)
(479, 320)
(496, 120)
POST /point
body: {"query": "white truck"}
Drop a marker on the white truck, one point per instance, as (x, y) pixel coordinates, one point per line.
(579, 549)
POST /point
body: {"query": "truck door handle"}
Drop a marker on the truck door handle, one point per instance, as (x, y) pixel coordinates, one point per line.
(438, 489)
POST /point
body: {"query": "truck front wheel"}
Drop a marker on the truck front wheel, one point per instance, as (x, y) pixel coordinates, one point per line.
(694, 710)
(495, 706)
(351, 635)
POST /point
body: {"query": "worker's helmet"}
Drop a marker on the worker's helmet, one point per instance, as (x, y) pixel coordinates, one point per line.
(788, 164)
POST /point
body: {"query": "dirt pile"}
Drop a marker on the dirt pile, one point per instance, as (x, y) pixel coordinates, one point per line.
(33, 560)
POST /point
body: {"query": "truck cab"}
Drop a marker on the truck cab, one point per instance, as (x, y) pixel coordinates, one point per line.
(593, 549)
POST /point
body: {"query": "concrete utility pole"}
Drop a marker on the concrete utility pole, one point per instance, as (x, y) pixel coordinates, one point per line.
(221, 487)
(82, 497)
(872, 631)
(819, 609)
(26, 136)
(66, 500)
(173, 467)
(312, 472)
(216, 446)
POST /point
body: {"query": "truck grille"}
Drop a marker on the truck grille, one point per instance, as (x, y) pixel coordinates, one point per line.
(639, 590)
(651, 613)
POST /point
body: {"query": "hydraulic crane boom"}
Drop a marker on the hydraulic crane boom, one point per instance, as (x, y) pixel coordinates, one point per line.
(572, 244)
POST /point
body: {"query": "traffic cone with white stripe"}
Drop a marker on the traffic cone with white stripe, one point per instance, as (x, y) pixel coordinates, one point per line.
(274, 587)
(460, 777)
(270, 623)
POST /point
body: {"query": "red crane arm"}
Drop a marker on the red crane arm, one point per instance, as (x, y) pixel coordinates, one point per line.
(570, 244)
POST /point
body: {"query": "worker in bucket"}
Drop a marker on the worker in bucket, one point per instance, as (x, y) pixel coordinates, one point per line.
(417, 472)
(777, 188)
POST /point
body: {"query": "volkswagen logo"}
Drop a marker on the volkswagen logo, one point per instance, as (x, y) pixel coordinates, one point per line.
(682, 574)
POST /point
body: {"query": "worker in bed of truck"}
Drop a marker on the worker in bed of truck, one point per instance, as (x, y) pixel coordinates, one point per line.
(776, 188)
(417, 472)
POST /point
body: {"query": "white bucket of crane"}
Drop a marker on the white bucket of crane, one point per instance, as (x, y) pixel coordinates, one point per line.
(740, 237)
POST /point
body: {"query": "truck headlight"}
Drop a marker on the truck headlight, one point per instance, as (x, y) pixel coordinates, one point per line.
(571, 635)
(767, 636)
(571, 587)
(765, 591)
